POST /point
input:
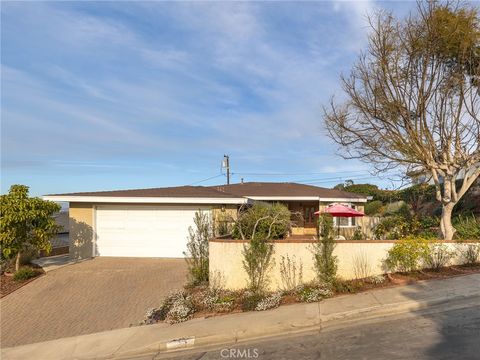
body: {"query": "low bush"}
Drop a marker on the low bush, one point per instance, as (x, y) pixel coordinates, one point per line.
(176, 307)
(181, 309)
(270, 302)
(437, 256)
(469, 253)
(358, 234)
(468, 227)
(250, 301)
(394, 227)
(291, 273)
(405, 255)
(25, 273)
(373, 208)
(376, 279)
(214, 300)
(347, 286)
(313, 293)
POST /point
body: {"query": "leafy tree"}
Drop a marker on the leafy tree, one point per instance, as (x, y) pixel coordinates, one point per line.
(413, 99)
(415, 195)
(25, 223)
(196, 255)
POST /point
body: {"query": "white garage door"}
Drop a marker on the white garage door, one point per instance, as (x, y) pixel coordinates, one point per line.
(143, 231)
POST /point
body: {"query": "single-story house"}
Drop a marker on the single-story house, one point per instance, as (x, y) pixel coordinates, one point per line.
(154, 222)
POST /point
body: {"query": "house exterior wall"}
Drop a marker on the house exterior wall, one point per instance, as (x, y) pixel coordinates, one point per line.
(81, 224)
(365, 223)
(227, 269)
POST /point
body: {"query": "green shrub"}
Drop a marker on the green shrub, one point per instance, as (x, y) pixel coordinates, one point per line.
(261, 223)
(291, 273)
(358, 234)
(373, 207)
(437, 256)
(341, 286)
(250, 301)
(324, 261)
(394, 228)
(406, 254)
(259, 219)
(271, 301)
(313, 293)
(469, 253)
(196, 255)
(468, 227)
(25, 273)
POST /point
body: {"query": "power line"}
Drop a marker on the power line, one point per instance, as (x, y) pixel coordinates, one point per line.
(210, 178)
(308, 182)
(298, 173)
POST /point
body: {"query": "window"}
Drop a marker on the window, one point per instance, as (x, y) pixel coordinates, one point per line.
(345, 221)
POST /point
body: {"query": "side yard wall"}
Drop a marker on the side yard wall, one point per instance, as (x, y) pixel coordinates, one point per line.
(227, 269)
(81, 225)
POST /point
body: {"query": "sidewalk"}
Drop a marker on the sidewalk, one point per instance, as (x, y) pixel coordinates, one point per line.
(230, 329)
(53, 262)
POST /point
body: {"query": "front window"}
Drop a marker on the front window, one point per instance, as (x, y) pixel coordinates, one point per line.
(345, 221)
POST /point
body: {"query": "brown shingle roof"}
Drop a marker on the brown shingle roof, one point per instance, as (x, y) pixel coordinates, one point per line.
(177, 191)
(283, 189)
(227, 191)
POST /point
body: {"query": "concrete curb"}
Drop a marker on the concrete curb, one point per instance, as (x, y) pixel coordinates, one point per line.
(287, 329)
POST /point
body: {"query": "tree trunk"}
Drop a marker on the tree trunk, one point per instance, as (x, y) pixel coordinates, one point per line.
(17, 261)
(446, 221)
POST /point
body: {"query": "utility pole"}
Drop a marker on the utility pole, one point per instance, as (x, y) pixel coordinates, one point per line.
(226, 165)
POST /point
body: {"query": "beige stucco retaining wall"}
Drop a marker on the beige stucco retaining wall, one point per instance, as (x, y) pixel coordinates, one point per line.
(227, 270)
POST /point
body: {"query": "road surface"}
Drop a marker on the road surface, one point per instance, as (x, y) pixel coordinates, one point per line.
(449, 331)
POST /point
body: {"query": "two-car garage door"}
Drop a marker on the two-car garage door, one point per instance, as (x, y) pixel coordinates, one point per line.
(143, 230)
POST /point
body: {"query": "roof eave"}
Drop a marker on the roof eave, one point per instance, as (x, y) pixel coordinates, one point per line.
(146, 200)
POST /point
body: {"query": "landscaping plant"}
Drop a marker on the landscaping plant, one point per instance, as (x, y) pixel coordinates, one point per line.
(325, 262)
(269, 302)
(361, 265)
(406, 254)
(468, 228)
(25, 273)
(291, 274)
(26, 223)
(260, 224)
(437, 256)
(470, 252)
(312, 293)
(196, 255)
(257, 261)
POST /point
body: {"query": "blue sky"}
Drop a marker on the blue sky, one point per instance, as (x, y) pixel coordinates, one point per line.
(114, 95)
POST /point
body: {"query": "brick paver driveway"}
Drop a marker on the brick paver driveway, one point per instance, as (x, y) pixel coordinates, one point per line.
(90, 296)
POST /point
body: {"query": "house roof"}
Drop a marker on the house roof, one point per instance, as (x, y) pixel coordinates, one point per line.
(288, 189)
(234, 193)
(177, 191)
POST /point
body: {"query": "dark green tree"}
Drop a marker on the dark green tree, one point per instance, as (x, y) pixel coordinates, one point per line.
(25, 223)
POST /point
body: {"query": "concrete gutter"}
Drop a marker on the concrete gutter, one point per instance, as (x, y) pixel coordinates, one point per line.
(230, 329)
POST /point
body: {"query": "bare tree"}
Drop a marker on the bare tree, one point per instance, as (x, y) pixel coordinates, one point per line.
(412, 100)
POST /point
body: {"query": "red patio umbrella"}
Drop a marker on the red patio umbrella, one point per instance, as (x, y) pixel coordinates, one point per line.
(339, 210)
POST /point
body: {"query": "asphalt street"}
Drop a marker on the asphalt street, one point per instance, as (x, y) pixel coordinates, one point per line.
(444, 332)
